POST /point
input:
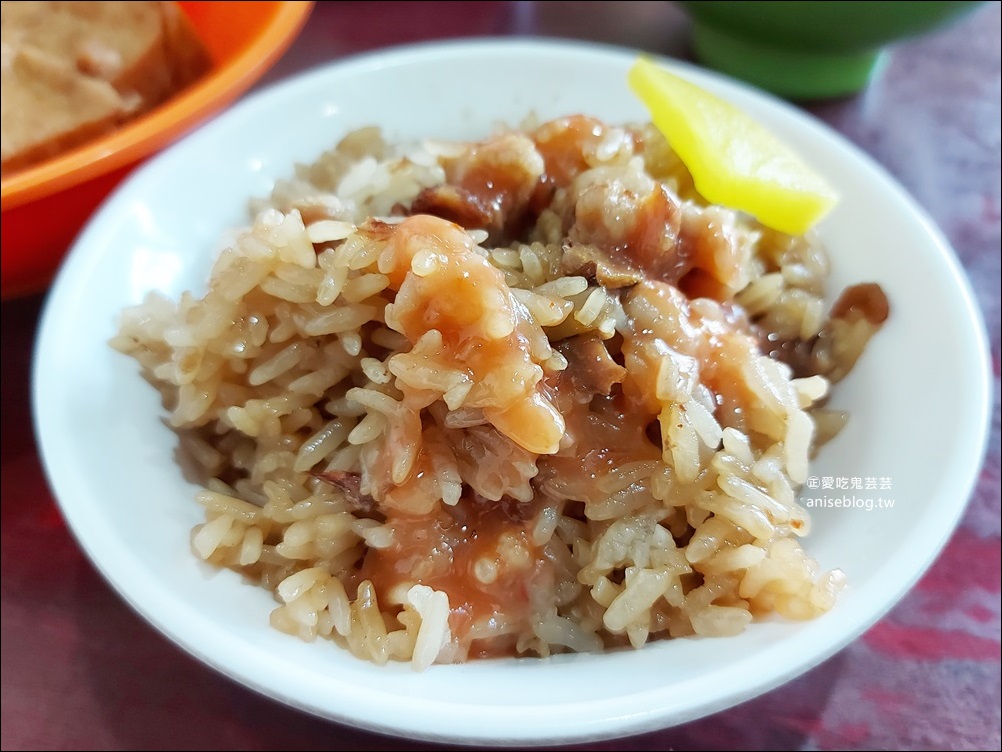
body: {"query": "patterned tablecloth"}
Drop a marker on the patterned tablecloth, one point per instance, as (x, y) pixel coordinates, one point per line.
(81, 671)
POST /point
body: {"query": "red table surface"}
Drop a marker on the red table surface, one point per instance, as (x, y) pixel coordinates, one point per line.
(80, 670)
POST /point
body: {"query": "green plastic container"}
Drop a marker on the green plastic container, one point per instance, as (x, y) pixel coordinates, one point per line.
(805, 50)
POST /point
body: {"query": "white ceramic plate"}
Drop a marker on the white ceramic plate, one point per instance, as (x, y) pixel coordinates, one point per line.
(111, 462)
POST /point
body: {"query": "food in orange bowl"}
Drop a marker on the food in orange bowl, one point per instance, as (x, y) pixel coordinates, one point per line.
(45, 205)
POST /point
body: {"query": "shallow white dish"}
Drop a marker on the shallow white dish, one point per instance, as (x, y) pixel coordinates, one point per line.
(111, 463)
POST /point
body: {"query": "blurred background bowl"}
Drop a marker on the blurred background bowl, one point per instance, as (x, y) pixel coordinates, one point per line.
(806, 50)
(46, 205)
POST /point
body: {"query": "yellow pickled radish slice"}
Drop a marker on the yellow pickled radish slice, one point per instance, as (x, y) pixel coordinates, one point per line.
(734, 161)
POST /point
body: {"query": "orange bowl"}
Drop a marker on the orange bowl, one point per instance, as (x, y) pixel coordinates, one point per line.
(45, 206)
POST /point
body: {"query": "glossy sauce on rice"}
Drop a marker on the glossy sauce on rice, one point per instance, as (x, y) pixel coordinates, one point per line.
(518, 396)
